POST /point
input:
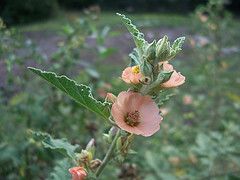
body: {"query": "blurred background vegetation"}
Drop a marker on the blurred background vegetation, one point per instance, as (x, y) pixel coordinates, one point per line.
(84, 39)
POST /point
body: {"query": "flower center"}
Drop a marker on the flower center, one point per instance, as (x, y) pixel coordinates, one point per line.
(132, 118)
(136, 69)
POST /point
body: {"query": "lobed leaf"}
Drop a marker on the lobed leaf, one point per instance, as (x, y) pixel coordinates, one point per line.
(80, 93)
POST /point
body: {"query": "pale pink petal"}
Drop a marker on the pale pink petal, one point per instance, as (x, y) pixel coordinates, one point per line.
(149, 116)
(167, 67)
(119, 119)
(175, 80)
(129, 76)
(126, 74)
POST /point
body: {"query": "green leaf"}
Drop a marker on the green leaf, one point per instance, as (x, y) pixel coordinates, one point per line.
(62, 145)
(135, 59)
(60, 171)
(177, 44)
(138, 37)
(153, 164)
(163, 97)
(79, 92)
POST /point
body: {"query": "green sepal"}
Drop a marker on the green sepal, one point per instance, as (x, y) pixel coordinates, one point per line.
(164, 76)
(146, 68)
(163, 49)
(134, 58)
(150, 52)
(176, 47)
(91, 147)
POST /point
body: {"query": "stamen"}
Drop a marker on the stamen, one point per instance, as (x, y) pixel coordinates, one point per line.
(136, 69)
(132, 118)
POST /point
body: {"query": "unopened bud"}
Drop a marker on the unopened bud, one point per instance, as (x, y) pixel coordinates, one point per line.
(94, 164)
(146, 68)
(163, 49)
(91, 147)
(113, 131)
(150, 53)
(85, 156)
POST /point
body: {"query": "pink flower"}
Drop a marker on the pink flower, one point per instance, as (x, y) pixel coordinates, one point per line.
(176, 78)
(136, 114)
(78, 173)
(132, 75)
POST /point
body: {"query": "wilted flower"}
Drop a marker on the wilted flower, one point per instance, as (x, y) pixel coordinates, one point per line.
(176, 78)
(136, 114)
(132, 75)
(78, 173)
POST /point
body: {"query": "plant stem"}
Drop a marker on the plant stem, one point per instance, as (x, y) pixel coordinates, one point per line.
(108, 154)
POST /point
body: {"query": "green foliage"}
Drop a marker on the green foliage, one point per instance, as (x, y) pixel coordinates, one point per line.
(61, 145)
(196, 141)
(60, 171)
(79, 92)
(138, 37)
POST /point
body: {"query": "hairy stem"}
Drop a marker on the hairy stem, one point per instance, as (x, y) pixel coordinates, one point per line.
(108, 155)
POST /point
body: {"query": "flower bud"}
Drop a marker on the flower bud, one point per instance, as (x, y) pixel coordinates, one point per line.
(150, 53)
(146, 68)
(91, 147)
(119, 144)
(85, 156)
(78, 173)
(94, 164)
(113, 131)
(163, 49)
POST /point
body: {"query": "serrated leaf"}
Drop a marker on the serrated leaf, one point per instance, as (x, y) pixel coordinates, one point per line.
(80, 93)
(62, 145)
(138, 37)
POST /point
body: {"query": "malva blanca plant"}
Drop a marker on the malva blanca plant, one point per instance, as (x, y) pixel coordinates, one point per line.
(135, 111)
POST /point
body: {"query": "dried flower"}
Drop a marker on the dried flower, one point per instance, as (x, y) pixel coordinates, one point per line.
(136, 114)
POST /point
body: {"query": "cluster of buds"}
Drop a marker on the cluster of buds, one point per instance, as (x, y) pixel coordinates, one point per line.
(85, 161)
(150, 70)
